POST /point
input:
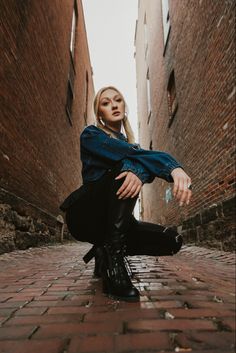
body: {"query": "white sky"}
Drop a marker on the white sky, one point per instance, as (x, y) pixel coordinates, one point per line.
(110, 26)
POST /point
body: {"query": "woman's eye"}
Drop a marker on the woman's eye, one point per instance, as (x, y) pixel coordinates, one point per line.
(119, 100)
(104, 103)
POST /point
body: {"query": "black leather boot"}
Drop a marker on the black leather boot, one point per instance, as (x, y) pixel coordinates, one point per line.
(96, 272)
(110, 261)
(97, 265)
(98, 262)
(116, 279)
(114, 270)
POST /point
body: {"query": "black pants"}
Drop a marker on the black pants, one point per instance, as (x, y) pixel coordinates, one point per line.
(88, 216)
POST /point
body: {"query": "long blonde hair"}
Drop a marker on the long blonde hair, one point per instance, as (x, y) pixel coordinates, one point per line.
(126, 124)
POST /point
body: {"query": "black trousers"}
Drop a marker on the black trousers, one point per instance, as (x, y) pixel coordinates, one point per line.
(88, 215)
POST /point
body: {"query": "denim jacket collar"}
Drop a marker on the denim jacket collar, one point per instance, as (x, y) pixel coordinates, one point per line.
(118, 134)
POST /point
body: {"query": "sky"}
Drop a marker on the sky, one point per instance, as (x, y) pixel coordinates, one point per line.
(110, 27)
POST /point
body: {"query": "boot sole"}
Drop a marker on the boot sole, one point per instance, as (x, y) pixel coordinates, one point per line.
(105, 290)
(127, 299)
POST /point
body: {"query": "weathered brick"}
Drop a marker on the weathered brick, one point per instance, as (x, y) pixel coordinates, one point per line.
(122, 315)
(202, 134)
(102, 344)
(40, 159)
(229, 207)
(52, 346)
(30, 311)
(142, 341)
(66, 310)
(101, 324)
(230, 322)
(15, 332)
(73, 329)
(199, 313)
(162, 325)
(43, 319)
(6, 312)
(167, 304)
(204, 340)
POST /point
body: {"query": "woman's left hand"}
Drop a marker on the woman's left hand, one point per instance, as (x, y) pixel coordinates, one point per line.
(181, 182)
(131, 185)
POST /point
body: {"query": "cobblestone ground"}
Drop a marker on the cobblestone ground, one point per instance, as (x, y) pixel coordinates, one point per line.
(50, 303)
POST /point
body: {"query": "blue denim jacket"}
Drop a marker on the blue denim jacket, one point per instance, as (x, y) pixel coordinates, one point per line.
(99, 152)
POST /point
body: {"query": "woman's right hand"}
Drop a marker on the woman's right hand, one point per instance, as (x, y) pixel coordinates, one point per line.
(181, 182)
(131, 185)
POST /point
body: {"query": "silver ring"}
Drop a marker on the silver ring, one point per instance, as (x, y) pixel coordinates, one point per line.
(190, 187)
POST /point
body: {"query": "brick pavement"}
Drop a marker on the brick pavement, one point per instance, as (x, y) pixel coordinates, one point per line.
(50, 302)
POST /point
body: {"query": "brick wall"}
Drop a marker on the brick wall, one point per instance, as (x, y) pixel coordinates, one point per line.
(40, 154)
(201, 50)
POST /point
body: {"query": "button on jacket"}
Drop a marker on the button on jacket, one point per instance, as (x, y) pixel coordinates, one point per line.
(99, 152)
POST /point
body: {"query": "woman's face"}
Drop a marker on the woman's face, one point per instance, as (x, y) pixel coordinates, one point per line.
(111, 108)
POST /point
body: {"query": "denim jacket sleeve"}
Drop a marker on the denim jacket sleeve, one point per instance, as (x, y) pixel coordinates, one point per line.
(138, 169)
(155, 163)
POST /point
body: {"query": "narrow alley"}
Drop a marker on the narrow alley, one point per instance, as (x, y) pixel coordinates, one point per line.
(95, 93)
(51, 303)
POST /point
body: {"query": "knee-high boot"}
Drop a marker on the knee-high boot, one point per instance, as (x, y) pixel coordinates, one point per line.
(110, 256)
(115, 277)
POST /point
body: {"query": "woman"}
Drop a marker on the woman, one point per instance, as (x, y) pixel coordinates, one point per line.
(114, 168)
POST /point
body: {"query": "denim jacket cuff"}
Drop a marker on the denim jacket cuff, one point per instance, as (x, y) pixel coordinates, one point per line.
(144, 177)
(170, 168)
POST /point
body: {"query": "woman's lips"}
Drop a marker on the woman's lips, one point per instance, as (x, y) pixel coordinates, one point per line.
(116, 113)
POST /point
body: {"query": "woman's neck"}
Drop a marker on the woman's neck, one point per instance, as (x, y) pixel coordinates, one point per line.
(114, 128)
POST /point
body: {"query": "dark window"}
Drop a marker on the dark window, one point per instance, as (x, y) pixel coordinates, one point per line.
(145, 36)
(149, 106)
(171, 98)
(71, 74)
(86, 98)
(69, 102)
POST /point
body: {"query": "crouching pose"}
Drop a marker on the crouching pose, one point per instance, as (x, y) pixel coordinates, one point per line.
(100, 212)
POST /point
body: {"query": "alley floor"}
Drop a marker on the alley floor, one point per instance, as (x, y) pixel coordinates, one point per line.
(50, 303)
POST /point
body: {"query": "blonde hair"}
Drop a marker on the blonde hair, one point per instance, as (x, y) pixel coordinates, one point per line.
(126, 124)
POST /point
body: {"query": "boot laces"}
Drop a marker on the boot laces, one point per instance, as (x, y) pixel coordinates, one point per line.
(120, 264)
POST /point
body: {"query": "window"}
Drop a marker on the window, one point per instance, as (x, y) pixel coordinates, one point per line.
(71, 74)
(166, 21)
(69, 102)
(149, 108)
(86, 98)
(145, 36)
(171, 98)
(150, 145)
(73, 30)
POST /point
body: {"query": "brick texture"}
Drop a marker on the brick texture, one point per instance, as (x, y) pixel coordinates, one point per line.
(186, 303)
(40, 152)
(201, 51)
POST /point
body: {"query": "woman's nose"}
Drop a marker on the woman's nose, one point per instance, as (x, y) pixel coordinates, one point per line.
(114, 105)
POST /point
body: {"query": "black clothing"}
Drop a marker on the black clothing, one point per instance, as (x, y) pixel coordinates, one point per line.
(88, 212)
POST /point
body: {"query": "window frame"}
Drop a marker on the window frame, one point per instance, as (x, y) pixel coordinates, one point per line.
(172, 100)
(148, 88)
(72, 58)
(165, 22)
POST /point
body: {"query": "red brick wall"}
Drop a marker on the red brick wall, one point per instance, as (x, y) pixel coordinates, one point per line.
(40, 154)
(201, 51)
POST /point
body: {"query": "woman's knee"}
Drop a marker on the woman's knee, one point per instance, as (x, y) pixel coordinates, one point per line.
(174, 238)
(178, 243)
(153, 239)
